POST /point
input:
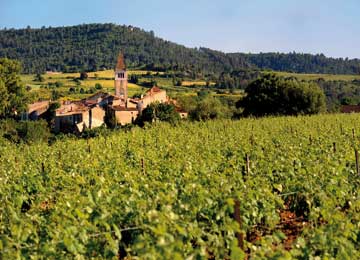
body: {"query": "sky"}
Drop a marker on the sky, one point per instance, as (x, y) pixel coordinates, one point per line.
(331, 27)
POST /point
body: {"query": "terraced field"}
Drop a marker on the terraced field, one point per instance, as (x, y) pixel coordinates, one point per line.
(65, 81)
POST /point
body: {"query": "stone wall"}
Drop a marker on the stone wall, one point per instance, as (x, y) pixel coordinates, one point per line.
(94, 117)
(126, 117)
(155, 97)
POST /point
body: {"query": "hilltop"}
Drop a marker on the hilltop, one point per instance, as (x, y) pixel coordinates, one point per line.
(301, 63)
(93, 47)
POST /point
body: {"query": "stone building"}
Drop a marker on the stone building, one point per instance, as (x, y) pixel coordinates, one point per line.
(125, 109)
(350, 109)
(89, 113)
(35, 110)
(77, 116)
(154, 94)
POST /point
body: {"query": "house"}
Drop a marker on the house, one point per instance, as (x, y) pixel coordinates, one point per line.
(89, 113)
(154, 94)
(35, 110)
(350, 109)
(183, 114)
(77, 116)
(125, 115)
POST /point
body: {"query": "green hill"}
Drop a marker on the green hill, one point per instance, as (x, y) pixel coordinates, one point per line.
(301, 63)
(95, 46)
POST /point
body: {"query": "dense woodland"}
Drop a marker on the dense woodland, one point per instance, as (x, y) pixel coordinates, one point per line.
(92, 47)
(95, 46)
(301, 63)
(340, 93)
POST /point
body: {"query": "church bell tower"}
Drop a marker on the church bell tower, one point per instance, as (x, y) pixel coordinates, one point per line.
(121, 80)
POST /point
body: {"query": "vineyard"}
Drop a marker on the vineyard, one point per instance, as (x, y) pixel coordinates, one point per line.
(273, 188)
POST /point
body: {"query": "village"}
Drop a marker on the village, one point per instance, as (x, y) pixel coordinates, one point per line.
(91, 112)
(179, 130)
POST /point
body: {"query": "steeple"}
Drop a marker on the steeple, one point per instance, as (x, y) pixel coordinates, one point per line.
(121, 89)
(120, 62)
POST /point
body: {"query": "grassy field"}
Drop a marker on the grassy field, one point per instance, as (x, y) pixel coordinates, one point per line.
(63, 82)
(84, 88)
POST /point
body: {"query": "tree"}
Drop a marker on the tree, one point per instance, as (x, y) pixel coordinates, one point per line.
(13, 98)
(134, 79)
(49, 114)
(167, 113)
(25, 131)
(273, 95)
(159, 112)
(83, 75)
(55, 95)
(207, 108)
(77, 82)
(187, 103)
(178, 83)
(110, 118)
(59, 84)
(4, 96)
(38, 77)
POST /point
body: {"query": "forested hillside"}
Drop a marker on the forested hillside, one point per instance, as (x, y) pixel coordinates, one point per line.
(91, 47)
(301, 63)
(95, 46)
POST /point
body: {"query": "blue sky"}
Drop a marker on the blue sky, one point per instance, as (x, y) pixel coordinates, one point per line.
(331, 27)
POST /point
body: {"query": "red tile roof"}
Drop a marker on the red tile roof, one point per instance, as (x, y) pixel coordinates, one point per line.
(40, 105)
(90, 102)
(350, 109)
(122, 108)
(153, 90)
(70, 108)
(120, 62)
(134, 100)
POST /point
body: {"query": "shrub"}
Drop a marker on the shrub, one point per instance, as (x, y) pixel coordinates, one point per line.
(134, 79)
(59, 84)
(159, 112)
(83, 76)
(38, 77)
(272, 95)
(25, 131)
(13, 96)
(209, 108)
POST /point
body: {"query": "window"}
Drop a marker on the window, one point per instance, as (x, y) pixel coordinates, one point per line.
(77, 118)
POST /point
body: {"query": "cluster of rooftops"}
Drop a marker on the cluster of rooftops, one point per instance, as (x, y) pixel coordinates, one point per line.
(90, 112)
